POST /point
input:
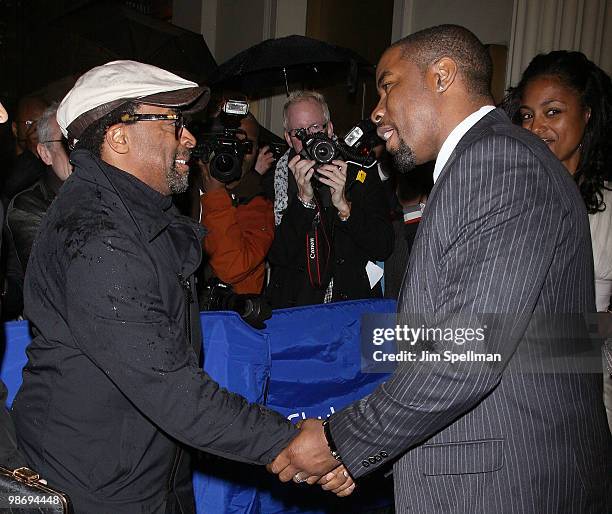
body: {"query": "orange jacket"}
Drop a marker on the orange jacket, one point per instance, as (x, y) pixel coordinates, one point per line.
(238, 239)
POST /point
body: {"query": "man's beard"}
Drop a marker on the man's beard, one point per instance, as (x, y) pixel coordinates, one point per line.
(404, 159)
(177, 182)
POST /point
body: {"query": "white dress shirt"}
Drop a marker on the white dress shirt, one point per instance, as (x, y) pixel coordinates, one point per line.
(455, 136)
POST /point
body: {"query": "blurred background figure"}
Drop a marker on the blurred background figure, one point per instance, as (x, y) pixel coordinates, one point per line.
(332, 220)
(228, 167)
(408, 202)
(566, 100)
(238, 218)
(27, 167)
(26, 210)
(29, 111)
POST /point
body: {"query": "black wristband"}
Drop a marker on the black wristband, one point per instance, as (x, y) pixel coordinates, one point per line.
(330, 442)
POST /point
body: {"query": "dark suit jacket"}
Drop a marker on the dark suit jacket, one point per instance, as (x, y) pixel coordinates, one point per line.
(504, 231)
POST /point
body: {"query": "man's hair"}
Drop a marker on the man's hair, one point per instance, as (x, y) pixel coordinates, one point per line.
(92, 137)
(593, 88)
(43, 127)
(301, 96)
(459, 44)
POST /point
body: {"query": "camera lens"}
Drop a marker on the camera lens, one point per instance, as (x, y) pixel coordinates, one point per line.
(226, 167)
(224, 162)
(323, 151)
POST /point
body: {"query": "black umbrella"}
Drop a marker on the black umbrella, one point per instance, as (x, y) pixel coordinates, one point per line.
(105, 30)
(278, 62)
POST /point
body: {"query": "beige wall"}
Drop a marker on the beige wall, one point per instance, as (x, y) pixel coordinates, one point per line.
(490, 20)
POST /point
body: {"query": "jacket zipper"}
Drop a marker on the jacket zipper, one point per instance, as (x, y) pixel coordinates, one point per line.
(186, 286)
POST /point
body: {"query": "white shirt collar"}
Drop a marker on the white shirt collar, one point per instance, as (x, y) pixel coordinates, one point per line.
(455, 136)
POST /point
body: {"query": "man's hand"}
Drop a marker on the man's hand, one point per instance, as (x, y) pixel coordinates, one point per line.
(302, 170)
(208, 183)
(308, 459)
(308, 454)
(265, 159)
(334, 176)
(338, 481)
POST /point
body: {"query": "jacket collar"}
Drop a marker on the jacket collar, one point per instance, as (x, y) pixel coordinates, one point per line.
(495, 116)
(482, 126)
(151, 211)
(50, 184)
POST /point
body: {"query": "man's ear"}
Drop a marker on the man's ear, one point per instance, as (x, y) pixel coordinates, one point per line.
(441, 74)
(14, 128)
(330, 129)
(288, 139)
(44, 154)
(117, 139)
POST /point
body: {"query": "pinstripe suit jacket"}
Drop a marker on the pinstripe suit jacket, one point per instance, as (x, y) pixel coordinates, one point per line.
(504, 231)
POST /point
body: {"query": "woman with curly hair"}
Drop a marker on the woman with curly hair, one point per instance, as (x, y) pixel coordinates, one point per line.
(566, 100)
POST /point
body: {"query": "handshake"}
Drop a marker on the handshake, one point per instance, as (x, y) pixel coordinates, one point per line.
(308, 458)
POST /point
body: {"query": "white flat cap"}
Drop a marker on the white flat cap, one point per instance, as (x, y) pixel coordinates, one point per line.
(105, 88)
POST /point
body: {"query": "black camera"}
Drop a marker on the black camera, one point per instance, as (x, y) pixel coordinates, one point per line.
(225, 153)
(222, 144)
(277, 149)
(219, 296)
(322, 149)
(318, 147)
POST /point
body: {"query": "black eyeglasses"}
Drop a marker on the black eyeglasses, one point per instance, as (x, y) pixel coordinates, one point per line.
(64, 143)
(313, 129)
(179, 121)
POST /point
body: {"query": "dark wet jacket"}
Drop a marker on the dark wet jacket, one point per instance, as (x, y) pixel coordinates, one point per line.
(112, 389)
(26, 211)
(26, 170)
(10, 457)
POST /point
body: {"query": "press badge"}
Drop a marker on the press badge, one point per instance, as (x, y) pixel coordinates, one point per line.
(361, 176)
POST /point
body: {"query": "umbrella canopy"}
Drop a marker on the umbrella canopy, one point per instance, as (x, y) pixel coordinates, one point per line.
(106, 30)
(278, 62)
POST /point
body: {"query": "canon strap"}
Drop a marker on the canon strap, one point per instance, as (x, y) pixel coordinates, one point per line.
(317, 251)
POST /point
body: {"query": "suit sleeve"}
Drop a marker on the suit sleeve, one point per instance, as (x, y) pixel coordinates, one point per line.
(238, 238)
(143, 351)
(501, 222)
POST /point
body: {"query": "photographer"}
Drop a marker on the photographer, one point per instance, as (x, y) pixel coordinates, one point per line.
(335, 221)
(238, 218)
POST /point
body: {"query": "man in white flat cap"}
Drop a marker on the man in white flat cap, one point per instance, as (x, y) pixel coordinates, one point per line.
(113, 392)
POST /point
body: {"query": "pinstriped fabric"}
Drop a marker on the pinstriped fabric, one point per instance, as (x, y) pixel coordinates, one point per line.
(504, 231)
